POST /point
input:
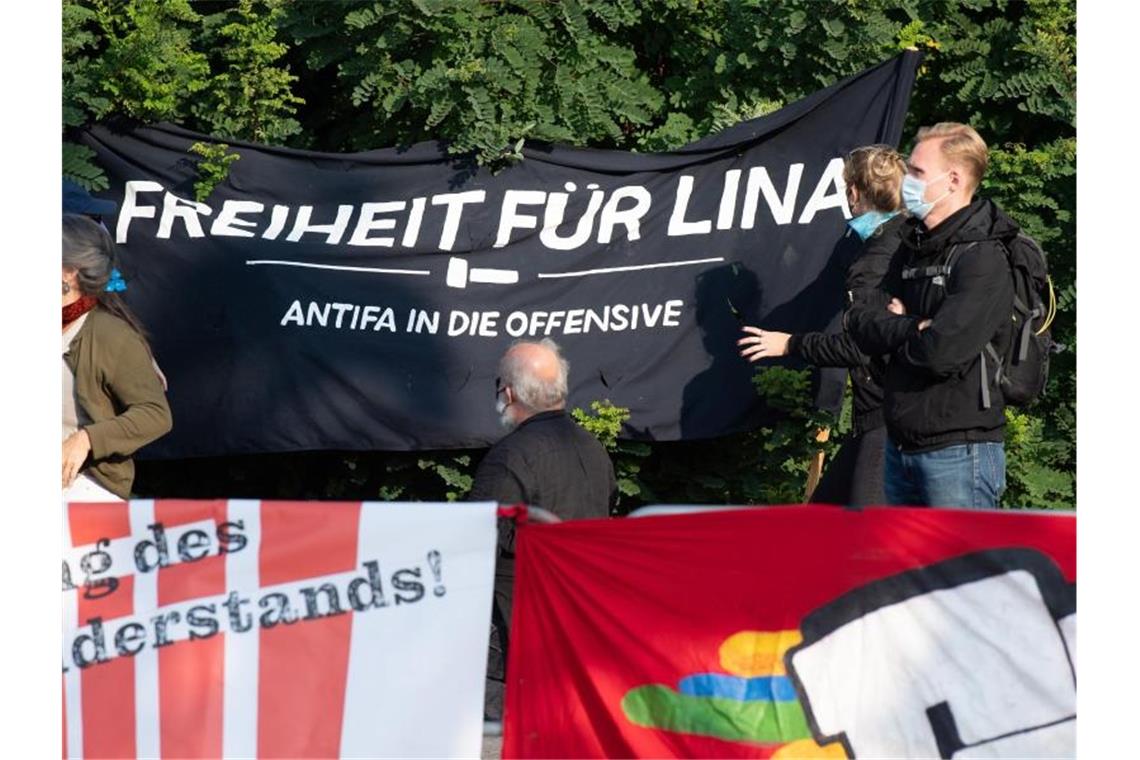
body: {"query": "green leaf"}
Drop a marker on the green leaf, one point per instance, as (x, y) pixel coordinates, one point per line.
(79, 166)
(628, 487)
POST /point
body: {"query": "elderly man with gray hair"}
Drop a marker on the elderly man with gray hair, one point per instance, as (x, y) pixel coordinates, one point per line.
(547, 460)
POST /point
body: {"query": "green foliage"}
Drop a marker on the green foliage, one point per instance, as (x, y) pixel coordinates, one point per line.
(453, 471)
(913, 35)
(1038, 471)
(250, 96)
(212, 167)
(408, 476)
(481, 76)
(605, 423)
(487, 77)
(1037, 186)
(79, 166)
(130, 59)
(765, 466)
(788, 444)
(81, 97)
(159, 60)
(148, 68)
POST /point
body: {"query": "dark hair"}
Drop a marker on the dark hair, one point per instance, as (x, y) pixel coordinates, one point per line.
(90, 251)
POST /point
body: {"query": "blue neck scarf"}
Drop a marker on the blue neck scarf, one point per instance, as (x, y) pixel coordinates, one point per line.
(865, 224)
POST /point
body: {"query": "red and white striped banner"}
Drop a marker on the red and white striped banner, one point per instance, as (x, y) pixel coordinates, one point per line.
(244, 628)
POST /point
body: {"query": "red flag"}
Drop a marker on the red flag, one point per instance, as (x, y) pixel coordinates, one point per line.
(795, 632)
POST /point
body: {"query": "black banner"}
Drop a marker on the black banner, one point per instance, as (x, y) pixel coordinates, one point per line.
(361, 301)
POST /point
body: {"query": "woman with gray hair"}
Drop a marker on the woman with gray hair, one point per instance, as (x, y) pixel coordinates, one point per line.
(114, 400)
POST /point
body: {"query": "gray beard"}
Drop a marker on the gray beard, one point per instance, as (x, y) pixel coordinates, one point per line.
(506, 420)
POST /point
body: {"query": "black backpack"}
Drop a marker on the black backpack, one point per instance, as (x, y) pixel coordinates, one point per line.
(1022, 369)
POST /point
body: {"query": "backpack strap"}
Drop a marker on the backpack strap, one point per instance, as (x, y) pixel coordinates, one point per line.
(1028, 316)
(1026, 332)
(985, 382)
(916, 273)
(997, 360)
(943, 271)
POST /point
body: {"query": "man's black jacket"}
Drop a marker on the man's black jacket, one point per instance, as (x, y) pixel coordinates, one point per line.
(549, 461)
(864, 280)
(958, 276)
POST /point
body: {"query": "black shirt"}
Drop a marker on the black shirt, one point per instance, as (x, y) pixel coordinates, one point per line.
(864, 280)
(549, 461)
(956, 274)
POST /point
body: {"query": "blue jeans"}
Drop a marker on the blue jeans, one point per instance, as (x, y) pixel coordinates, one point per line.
(970, 475)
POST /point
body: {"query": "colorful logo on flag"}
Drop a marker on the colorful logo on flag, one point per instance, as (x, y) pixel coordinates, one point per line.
(926, 633)
(753, 700)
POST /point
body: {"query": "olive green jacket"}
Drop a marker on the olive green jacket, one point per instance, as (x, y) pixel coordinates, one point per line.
(117, 387)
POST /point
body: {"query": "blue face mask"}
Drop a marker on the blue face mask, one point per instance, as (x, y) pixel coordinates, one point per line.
(865, 224)
(913, 190)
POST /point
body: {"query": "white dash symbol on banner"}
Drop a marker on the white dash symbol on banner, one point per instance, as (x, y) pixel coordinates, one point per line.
(609, 270)
(459, 274)
(373, 270)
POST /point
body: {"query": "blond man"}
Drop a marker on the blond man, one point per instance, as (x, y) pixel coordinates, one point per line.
(953, 299)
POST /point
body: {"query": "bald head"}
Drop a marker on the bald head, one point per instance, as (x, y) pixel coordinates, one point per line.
(534, 359)
(536, 376)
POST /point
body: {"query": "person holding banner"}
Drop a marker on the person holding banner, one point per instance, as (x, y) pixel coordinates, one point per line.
(873, 175)
(113, 397)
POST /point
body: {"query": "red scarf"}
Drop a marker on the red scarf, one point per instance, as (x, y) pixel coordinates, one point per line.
(74, 311)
